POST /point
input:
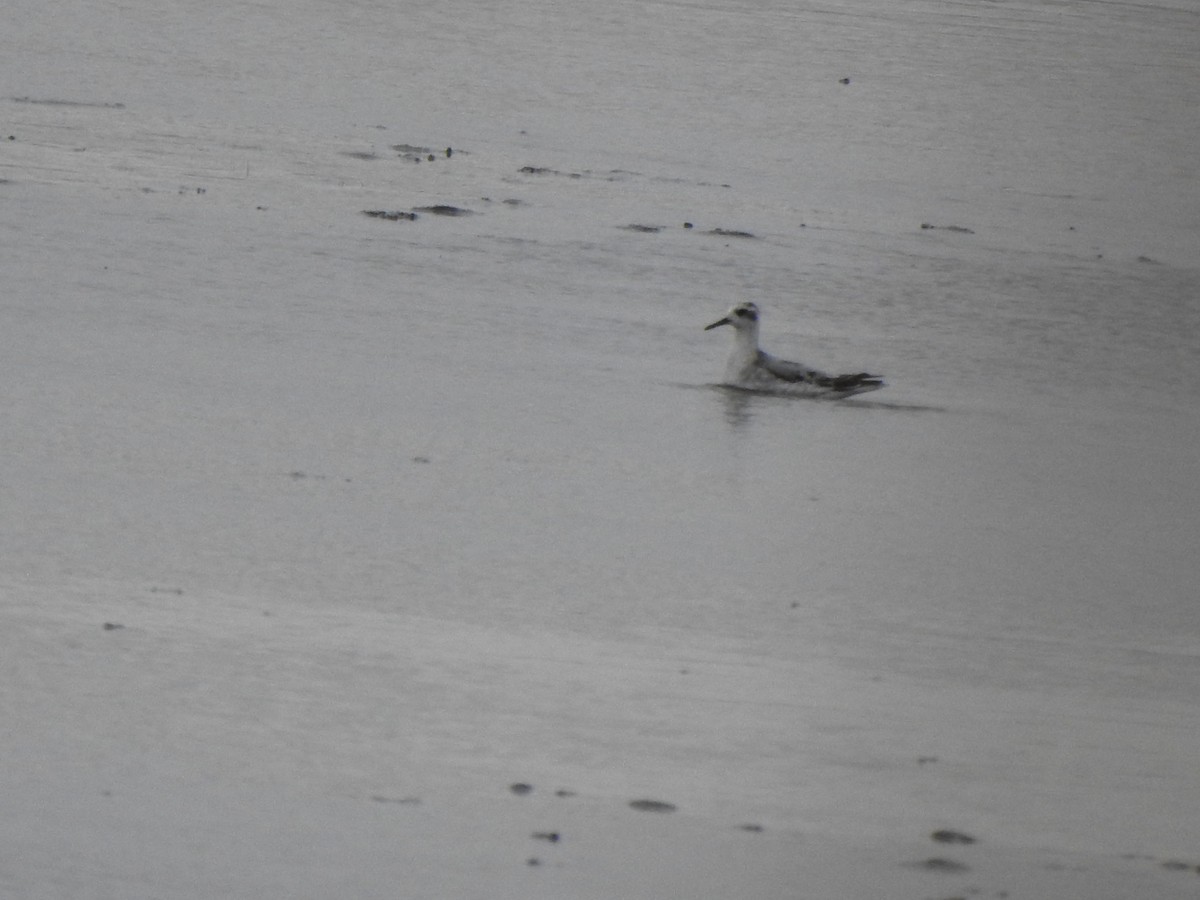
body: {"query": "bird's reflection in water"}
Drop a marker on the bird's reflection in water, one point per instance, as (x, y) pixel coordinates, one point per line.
(741, 405)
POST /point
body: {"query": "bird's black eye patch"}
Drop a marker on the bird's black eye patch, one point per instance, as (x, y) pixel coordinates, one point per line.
(745, 314)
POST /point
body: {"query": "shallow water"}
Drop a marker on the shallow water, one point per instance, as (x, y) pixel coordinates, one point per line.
(224, 378)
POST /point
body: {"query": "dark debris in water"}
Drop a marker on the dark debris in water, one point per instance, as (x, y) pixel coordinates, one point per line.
(417, 153)
(48, 101)
(957, 229)
(542, 170)
(400, 215)
(1178, 865)
(391, 215)
(948, 836)
(652, 806)
(937, 864)
(443, 209)
(411, 148)
(730, 232)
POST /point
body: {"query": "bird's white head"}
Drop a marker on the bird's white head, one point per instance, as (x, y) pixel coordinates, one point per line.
(743, 317)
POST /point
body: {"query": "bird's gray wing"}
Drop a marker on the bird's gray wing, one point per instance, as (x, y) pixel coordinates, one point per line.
(858, 382)
(797, 372)
(791, 371)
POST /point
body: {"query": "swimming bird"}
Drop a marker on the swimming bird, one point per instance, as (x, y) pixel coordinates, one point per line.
(754, 369)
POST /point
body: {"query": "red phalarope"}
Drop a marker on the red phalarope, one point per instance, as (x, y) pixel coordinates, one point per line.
(754, 369)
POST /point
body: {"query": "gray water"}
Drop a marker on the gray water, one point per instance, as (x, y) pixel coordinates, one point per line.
(222, 377)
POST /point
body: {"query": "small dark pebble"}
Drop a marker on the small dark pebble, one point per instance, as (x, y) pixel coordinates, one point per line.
(937, 864)
(533, 861)
(551, 836)
(652, 806)
(688, 225)
(112, 626)
(750, 826)
(520, 788)
(449, 152)
(843, 81)
(946, 836)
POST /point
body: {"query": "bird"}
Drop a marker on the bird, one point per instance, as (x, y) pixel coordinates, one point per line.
(755, 369)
